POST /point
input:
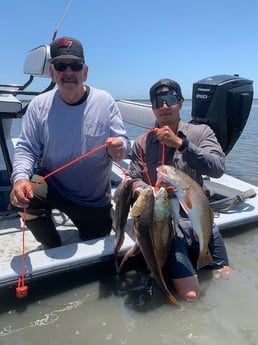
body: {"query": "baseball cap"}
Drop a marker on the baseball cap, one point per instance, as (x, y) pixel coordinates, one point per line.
(66, 48)
(173, 86)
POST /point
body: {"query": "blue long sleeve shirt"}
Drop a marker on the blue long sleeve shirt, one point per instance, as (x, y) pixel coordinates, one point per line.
(54, 133)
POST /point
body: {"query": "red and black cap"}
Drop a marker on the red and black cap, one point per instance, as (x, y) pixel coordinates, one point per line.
(66, 48)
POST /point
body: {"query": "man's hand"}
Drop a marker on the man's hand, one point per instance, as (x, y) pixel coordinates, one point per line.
(115, 148)
(21, 193)
(166, 136)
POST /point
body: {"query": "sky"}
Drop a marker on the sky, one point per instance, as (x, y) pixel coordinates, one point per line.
(129, 45)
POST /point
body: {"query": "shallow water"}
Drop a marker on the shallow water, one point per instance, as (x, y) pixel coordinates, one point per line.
(89, 308)
(98, 307)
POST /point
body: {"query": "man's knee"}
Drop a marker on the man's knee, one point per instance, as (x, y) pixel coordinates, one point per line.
(187, 288)
(44, 231)
(28, 216)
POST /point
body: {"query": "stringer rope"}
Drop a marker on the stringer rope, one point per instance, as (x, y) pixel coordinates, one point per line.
(143, 162)
(22, 289)
(142, 158)
(157, 185)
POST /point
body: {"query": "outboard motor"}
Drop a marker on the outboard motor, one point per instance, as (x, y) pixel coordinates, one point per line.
(223, 102)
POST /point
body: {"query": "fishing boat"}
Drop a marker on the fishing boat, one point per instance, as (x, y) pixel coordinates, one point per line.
(223, 102)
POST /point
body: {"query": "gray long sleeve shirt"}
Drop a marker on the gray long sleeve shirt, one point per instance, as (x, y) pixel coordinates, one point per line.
(55, 133)
(204, 155)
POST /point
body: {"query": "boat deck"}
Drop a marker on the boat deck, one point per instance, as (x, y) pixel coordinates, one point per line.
(74, 253)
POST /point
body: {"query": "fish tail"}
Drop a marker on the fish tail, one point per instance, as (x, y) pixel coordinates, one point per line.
(116, 261)
(204, 259)
(118, 246)
(172, 299)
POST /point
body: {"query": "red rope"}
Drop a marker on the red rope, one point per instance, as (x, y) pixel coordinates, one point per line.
(67, 165)
(143, 162)
(22, 289)
(141, 155)
(157, 185)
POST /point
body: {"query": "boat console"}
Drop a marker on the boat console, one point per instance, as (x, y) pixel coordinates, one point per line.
(224, 103)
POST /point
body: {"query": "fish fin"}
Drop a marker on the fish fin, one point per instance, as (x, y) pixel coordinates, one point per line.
(188, 201)
(164, 287)
(131, 252)
(133, 232)
(211, 213)
(186, 204)
(204, 259)
(109, 196)
(172, 228)
(116, 250)
(134, 213)
(196, 237)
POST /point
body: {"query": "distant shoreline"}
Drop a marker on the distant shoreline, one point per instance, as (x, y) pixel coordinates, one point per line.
(129, 99)
(147, 100)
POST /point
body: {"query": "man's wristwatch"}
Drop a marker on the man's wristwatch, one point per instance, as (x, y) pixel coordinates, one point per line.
(184, 143)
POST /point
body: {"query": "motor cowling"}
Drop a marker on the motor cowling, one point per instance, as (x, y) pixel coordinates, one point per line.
(223, 102)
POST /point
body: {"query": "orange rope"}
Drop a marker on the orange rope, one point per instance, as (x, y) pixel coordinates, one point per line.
(22, 289)
(163, 154)
(157, 185)
(142, 159)
(66, 166)
(141, 155)
(122, 168)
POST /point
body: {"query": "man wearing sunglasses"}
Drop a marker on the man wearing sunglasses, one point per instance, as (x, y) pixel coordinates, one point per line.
(58, 127)
(195, 150)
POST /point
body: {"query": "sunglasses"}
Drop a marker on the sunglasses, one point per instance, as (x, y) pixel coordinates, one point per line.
(162, 97)
(61, 66)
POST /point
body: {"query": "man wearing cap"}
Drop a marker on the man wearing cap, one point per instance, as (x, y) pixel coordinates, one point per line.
(195, 150)
(58, 127)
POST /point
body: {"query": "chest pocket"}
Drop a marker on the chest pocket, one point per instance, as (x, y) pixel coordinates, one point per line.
(94, 135)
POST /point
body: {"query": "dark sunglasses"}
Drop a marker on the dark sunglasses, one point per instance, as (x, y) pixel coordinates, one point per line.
(61, 66)
(159, 100)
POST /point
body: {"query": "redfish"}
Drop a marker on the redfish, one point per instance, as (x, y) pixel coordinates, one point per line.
(195, 204)
(123, 199)
(143, 212)
(162, 230)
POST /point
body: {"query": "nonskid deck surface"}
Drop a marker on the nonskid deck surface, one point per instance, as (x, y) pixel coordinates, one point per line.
(72, 254)
(244, 212)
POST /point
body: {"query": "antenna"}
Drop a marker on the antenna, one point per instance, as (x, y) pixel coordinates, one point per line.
(62, 20)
